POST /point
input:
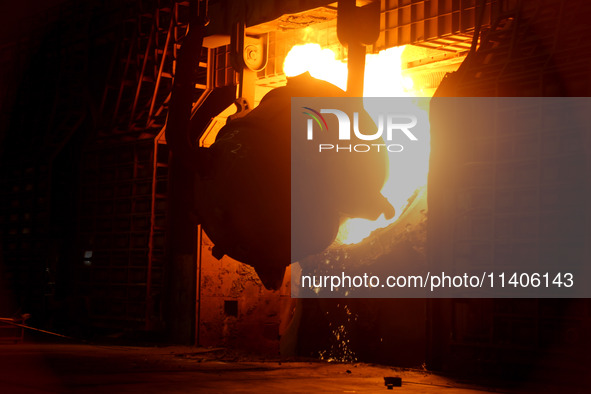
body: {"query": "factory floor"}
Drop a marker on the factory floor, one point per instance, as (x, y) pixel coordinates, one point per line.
(73, 368)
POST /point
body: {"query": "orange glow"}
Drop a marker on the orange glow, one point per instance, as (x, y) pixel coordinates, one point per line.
(383, 78)
(321, 63)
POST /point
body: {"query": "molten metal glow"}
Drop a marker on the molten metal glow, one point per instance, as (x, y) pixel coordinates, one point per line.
(321, 63)
(383, 78)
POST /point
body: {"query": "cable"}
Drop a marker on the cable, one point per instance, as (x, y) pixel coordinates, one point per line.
(43, 331)
(478, 25)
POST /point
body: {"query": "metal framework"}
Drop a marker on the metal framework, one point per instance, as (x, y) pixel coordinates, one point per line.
(126, 277)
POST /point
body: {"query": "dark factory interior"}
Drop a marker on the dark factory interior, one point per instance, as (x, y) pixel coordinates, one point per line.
(147, 178)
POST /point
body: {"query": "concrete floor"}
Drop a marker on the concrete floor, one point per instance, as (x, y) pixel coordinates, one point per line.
(69, 368)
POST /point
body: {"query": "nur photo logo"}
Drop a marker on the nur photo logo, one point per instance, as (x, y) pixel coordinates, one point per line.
(389, 126)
